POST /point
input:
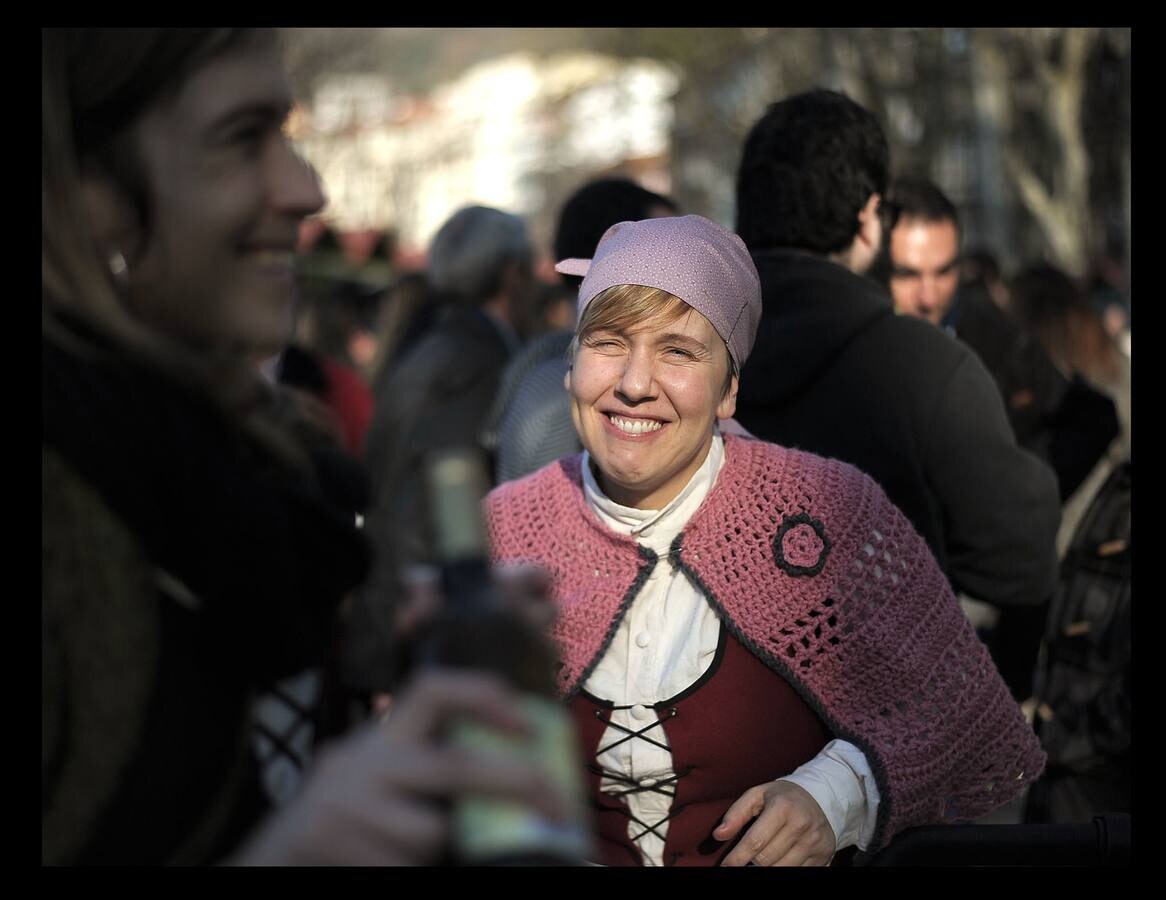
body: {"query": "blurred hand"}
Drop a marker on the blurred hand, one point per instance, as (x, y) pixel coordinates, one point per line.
(421, 601)
(526, 589)
(380, 796)
(790, 828)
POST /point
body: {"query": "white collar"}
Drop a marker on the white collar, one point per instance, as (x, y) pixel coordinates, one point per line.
(656, 528)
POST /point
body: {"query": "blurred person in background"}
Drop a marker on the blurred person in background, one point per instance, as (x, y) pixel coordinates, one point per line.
(979, 266)
(530, 423)
(607, 200)
(836, 372)
(336, 320)
(1107, 287)
(1055, 309)
(346, 398)
(197, 537)
(924, 250)
(408, 310)
(1061, 419)
(341, 281)
(438, 395)
(434, 396)
(1083, 700)
(554, 308)
(323, 369)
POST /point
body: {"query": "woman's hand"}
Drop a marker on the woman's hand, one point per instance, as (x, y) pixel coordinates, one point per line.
(378, 797)
(522, 588)
(790, 828)
(527, 590)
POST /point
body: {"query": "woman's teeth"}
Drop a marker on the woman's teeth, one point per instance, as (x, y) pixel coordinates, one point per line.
(635, 426)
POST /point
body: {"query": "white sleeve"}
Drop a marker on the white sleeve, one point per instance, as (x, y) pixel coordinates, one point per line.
(841, 782)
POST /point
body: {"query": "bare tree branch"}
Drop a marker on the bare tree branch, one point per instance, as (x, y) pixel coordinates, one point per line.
(1032, 190)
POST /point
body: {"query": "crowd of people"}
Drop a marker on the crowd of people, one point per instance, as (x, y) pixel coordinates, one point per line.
(792, 501)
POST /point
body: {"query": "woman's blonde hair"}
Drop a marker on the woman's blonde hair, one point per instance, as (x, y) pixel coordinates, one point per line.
(624, 307)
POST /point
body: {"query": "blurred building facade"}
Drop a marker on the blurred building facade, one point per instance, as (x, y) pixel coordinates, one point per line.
(516, 132)
(1027, 129)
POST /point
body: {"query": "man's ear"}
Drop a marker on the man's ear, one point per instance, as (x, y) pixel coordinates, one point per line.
(860, 253)
(870, 229)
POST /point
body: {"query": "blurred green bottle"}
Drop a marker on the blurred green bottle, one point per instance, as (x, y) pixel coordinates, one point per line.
(477, 630)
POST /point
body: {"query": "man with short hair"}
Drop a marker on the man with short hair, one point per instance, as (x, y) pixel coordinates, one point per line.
(921, 269)
(1061, 419)
(481, 266)
(481, 261)
(924, 250)
(836, 372)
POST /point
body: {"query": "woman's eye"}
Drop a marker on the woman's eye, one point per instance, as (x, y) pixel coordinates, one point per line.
(248, 138)
(248, 135)
(680, 353)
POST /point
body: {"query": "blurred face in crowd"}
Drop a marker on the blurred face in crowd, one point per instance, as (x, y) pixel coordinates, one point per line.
(644, 400)
(227, 195)
(924, 267)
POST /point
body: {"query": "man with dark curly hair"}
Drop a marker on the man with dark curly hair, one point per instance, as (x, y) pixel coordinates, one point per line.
(836, 372)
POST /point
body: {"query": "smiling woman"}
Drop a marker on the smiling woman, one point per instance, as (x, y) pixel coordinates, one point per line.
(170, 199)
(227, 194)
(648, 380)
(198, 533)
(757, 647)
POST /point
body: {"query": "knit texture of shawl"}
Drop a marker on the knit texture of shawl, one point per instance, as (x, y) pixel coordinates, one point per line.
(812, 567)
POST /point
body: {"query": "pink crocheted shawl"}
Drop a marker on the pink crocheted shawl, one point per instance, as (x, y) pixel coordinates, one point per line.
(812, 567)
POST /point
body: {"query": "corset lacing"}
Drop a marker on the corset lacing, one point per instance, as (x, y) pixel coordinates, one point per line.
(634, 786)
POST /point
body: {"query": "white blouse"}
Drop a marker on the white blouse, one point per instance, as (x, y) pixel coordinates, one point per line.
(664, 644)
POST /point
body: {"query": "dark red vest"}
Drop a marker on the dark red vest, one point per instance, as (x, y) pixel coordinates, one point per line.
(738, 726)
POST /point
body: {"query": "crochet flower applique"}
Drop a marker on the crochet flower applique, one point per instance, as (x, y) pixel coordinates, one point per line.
(801, 545)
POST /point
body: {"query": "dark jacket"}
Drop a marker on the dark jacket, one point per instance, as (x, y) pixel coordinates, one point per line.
(436, 397)
(183, 569)
(836, 372)
(530, 424)
(1064, 421)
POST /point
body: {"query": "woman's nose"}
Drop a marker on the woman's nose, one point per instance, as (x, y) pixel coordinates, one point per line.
(296, 187)
(636, 382)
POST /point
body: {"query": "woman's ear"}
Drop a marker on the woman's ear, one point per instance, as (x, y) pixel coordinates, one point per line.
(727, 408)
(112, 220)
